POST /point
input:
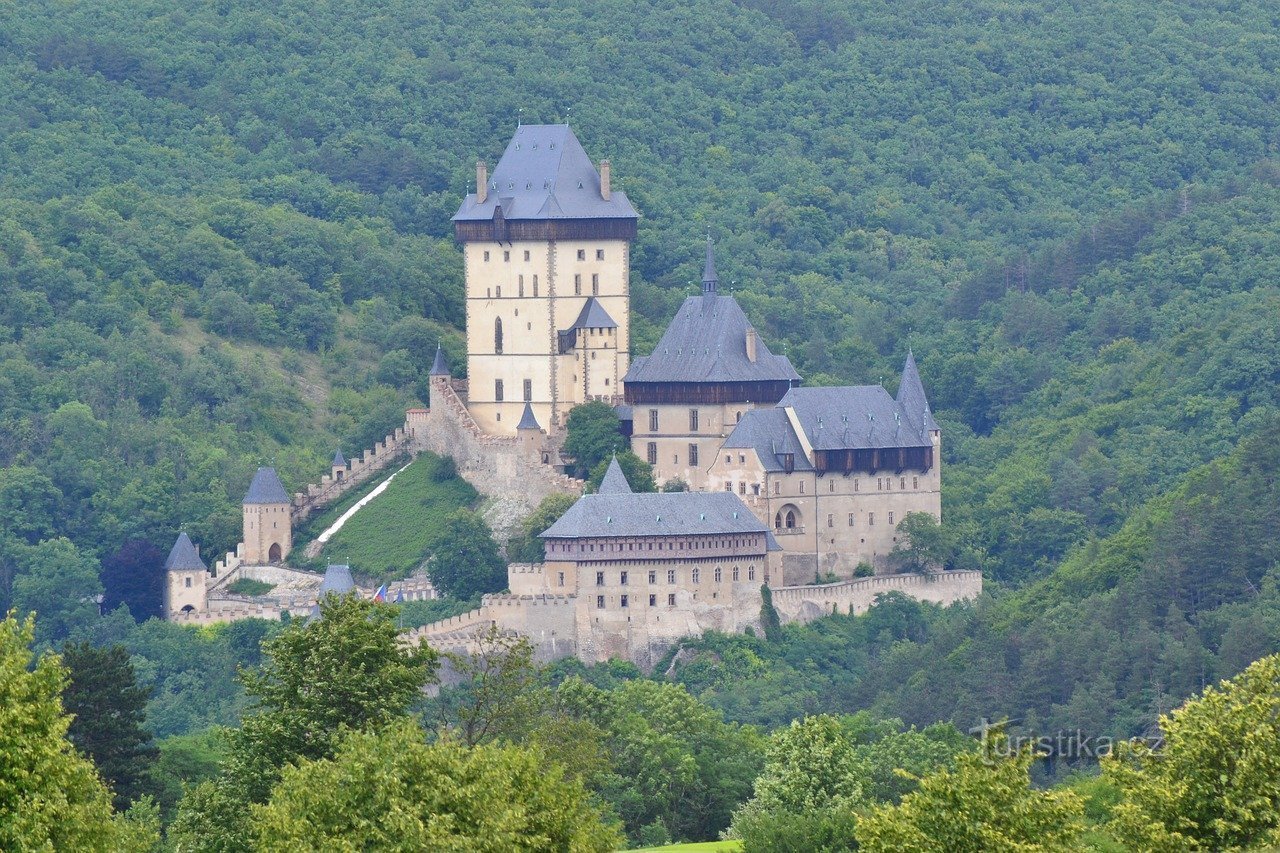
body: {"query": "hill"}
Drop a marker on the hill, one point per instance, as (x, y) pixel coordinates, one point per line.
(224, 239)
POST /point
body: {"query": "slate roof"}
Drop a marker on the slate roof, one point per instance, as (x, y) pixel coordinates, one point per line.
(707, 342)
(266, 488)
(337, 579)
(545, 174)
(528, 420)
(769, 433)
(339, 461)
(853, 417)
(911, 396)
(439, 367)
(615, 481)
(655, 514)
(183, 556)
(593, 316)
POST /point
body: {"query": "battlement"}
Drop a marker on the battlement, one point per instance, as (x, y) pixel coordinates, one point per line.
(342, 479)
(809, 602)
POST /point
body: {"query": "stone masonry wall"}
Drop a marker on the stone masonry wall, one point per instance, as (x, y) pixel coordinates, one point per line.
(806, 603)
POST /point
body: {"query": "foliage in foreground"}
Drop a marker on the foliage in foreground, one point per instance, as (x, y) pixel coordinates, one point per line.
(391, 790)
(345, 670)
(50, 797)
(1214, 784)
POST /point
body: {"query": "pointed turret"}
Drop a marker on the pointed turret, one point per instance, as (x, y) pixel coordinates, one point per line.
(614, 482)
(439, 367)
(183, 556)
(709, 280)
(911, 396)
(266, 488)
(337, 580)
(339, 461)
(528, 420)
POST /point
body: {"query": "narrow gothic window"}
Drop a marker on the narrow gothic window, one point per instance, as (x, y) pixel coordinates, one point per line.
(623, 579)
(871, 519)
(915, 482)
(671, 600)
(582, 254)
(599, 254)
(831, 519)
(486, 256)
(520, 285)
(742, 487)
(802, 487)
(599, 578)
(890, 518)
(693, 454)
(728, 486)
(577, 285)
(697, 575)
(791, 520)
(653, 576)
(528, 390)
(851, 519)
(902, 482)
(497, 390)
(735, 574)
(535, 285)
(188, 580)
(600, 602)
(506, 256)
(719, 576)
(653, 453)
(653, 420)
(693, 420)
(560, 578)
(623, 602)
(751, 573)
(497, 335)
(671, 575)
(526, 254)
(653, 601)
(595, 285)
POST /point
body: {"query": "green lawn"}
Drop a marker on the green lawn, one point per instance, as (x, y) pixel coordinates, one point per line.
(696, 847)
(395, 532)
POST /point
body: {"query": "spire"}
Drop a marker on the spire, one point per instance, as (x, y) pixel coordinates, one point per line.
(266, 488)
(337, 580)
(614, 482)
(339, 461)
(439, 367)
(911, 396)
(528, 420)
(709, 274)
(183, 556)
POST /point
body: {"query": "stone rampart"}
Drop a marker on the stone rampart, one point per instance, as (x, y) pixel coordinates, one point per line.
(342, 480)
(806, 603)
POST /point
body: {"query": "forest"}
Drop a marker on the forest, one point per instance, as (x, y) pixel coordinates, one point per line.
(225, 242)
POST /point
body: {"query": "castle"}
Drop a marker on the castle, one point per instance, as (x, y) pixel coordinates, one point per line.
(787, 485)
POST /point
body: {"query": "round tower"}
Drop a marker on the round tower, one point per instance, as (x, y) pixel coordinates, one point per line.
(268, 532)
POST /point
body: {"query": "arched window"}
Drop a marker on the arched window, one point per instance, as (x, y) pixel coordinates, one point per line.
(791, 519)
(497, 335)
(777, 520)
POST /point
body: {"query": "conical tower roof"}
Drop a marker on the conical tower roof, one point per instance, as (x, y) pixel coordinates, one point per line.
(337, 579)
(339, 461)
(911, 396)
(528, 420)
(614, 482)
(183, 556)
(266, 488)
(439, 367)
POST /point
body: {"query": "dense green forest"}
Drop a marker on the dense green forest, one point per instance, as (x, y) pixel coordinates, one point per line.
(225, 242)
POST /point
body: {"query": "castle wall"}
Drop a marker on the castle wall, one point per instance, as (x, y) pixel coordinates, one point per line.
(341, 480)
(806, 603)
(500, 467)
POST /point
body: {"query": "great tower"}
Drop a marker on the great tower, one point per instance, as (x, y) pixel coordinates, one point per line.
(547, 247)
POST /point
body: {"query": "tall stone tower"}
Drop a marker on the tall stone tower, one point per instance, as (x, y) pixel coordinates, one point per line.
(547, 244)
(185, 578)
(268, 534)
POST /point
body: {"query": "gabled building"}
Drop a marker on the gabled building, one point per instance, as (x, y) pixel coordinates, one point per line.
(546, 244)
(833, 471)
(709, 369)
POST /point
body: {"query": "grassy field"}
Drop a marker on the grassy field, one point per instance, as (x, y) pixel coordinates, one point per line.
(306, 532)
(697, 847)
(395, 532)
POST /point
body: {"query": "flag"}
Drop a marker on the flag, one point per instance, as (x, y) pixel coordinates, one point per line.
(381, 594)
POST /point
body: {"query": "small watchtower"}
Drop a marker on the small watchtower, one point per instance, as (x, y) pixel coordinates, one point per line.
(185, 578)
(268, 532)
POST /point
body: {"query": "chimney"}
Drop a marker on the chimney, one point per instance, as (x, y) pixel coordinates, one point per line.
(482, 182)
(751, 344)
(605, 190)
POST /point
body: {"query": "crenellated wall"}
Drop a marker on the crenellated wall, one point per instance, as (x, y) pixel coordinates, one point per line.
(806, 603)
(341, 480)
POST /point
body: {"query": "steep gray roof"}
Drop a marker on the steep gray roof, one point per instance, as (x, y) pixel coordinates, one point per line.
(853, 417)
(655, 514)
(183, 556)
(911, 397)
(337, 579)
(528, 420)
(339, 461)
(707, 342)
(593, 316)
(545, 174)
(769, 433)
(615, 481)
(266, 488)
(439, 367)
